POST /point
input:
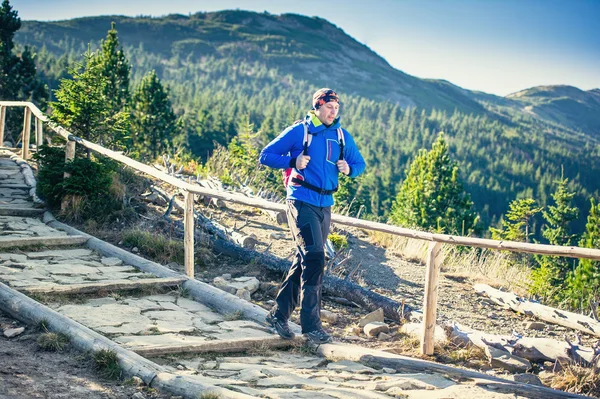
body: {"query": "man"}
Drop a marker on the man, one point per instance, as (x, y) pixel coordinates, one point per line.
(313, 151)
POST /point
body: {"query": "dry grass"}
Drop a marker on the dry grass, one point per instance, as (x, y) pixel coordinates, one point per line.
(52, 342)
(576, 379)
(492, 267)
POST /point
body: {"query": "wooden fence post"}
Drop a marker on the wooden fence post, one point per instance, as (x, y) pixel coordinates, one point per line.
(39, 140)
(26, 133)
(69, 154)
(188, 241)
(430, 301)
(2, 120)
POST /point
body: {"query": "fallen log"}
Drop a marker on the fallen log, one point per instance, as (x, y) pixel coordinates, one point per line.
(509, 300)
(533, 349)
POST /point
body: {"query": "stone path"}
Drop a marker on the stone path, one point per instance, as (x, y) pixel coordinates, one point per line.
(151, 314)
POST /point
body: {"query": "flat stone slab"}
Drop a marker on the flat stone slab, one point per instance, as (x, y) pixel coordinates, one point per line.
(151, 341)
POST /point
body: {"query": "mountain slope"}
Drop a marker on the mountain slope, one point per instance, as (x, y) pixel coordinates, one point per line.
(311, 49)
(566, 105)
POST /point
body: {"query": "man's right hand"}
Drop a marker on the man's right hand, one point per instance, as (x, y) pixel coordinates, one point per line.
(302, 161)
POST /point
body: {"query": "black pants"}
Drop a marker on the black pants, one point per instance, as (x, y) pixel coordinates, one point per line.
(310, 227)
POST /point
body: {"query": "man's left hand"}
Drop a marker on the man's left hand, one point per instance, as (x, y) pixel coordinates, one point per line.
(343, 167)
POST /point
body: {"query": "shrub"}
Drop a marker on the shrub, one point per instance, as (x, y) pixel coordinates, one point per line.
(339, 241)
(83, 195)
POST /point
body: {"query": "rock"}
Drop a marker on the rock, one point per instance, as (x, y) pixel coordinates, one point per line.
(528, 378)
(244, 294)
(137, 381)
(506, 361)
(396, 392)
(277, 236)
(329, 317)
(375, 328)
(13, 332)
(492, 316)
(135, 250)
(550, 327)
(416, 316)
(375, 316)
(384, 337)
(388, 370)
(226, 276)
(535, 325)
(138, 395)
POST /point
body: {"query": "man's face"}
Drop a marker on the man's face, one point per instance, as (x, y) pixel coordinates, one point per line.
(328, 112)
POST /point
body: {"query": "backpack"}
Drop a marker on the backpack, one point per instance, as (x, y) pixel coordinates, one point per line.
(287, 173)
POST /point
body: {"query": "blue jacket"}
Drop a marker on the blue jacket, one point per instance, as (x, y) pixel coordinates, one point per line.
(324, 151)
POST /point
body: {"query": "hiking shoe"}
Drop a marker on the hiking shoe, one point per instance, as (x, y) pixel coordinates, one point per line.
(318, 337)
(281, 326)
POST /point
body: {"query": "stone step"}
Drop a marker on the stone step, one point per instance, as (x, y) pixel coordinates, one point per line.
(117, 285)
(16, 242)
(20, 211)
(14, 186)
(170, 347)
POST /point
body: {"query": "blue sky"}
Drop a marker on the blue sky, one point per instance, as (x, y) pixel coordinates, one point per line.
(495, 46)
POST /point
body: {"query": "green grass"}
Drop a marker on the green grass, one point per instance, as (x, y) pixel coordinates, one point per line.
(107, 364)
(158, 247)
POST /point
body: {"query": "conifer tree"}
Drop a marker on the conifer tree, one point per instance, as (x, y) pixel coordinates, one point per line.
(82, 106)
(432, 196)
(584, 283)
(18, 80)
(517, 224)
(549, 277)
(114, 66)
(154, 123)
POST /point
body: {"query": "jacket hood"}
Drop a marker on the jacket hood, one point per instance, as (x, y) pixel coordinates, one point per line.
(315, 125)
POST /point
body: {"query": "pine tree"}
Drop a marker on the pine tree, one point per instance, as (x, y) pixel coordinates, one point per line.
(154, 123)
(82, 106)
(517, 225)
(432, 195)
(584, 283)
(549, 277)
(114, 66)
(18, 80)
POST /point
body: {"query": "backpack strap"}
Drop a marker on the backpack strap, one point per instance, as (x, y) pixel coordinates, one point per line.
(340, 134)
(307, 138)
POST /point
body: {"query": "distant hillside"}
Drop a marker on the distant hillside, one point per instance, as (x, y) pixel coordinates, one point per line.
(311, 49)
(565, 105)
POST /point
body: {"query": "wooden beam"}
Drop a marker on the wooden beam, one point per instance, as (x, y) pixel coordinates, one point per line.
(221, 346)
(39, 139)
(12, 242)
(430, 300)
(511, 301)
(118, 285)
(379, 359)
(26, 133)
(188, 242)
(2, 124)
(69, 155)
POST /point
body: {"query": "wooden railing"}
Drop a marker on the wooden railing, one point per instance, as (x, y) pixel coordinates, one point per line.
(436, 240)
